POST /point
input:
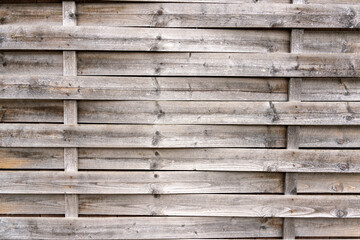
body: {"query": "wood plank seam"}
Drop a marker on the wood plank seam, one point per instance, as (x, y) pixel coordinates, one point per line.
(70, 109)
(294, 94)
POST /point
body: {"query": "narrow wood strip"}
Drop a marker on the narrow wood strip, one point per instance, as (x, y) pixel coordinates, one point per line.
(331, 89)
(138, 227)
(216, 159)
(327, 227)
(181, 112)
(142, 39)
(219, 64)
(329, 137)
(143, 88)
(223, 205)
(329, 183)
(138, 136)
(56, 182)
(31, 204)
(220, 15)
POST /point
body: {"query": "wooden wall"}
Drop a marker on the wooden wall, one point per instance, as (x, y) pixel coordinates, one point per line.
(178, 119)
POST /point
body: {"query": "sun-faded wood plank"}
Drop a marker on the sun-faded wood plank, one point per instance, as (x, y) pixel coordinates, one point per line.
(137, 136)
(329, 183)
(220, 15)
(217, 159)
(331, 89)
(31, 204)
(329, 137)
(219, 64)
(142, 39)
(138, 227)
(332, 41)
(56, 182)
(30, 14)
(319, 227)
(223, 205)
(142, 88)
(178, 112)
(31, 63)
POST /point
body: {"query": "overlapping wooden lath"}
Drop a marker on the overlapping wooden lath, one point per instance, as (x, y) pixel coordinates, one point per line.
(171, 119)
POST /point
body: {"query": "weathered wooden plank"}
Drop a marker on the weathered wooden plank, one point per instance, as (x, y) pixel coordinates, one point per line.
(31, 204)
(194, 112)
(31, 158)
(219, 64)
(31, 63)
(55, 182)
(329, 137)
(220, 15)
(138, 228)
(31, 111)
(331, 89)
(142, 88)
(218, 159)
(331, 42)
(142, 39)
(329, 183)
(30, 14)
(328, 227)
(137, 136)
(223, 205)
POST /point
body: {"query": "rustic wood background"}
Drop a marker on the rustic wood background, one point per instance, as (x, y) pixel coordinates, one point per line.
(179, 119)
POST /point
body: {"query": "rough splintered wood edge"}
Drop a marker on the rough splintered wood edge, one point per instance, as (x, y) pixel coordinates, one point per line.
(70, 109)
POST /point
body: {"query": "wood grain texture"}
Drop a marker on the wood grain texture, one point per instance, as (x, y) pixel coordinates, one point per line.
(137, 136)
(143, 88)
(215, 64)
(329, 137)
(223, 205)
(220, 15)
(328, 183)
(181, 112)
(142, 39)
(217, 159)
(56, 182)
(138, 227)
(34, 63)
(331, 89)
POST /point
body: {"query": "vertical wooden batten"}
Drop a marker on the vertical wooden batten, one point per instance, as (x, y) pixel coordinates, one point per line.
(293, 132)
(70, 110)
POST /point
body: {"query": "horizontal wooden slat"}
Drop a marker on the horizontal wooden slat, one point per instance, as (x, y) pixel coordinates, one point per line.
(329, 137)
(30, 14)
(217, 159)
(138, 228)
(31, 63)
(32, 204)
(194, 112)
(142, 88)
(331, 89)
(327, 227)
(220, 15)
(32, 158)
(219, 64)
(223, 205)
(135, 136)
(142, 39)
(56, 182)
(31, 111)
(331, 42)
(253, 113)
(328, 183)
